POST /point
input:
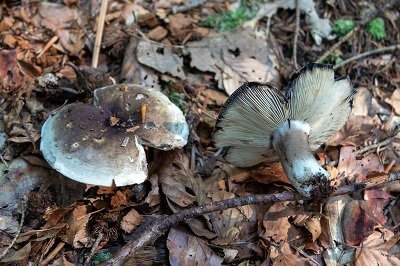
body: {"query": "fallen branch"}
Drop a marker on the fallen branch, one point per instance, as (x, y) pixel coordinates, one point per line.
(160, 226)
(368, 53)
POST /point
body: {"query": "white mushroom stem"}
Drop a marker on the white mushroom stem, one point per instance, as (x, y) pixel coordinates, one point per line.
(290, 142)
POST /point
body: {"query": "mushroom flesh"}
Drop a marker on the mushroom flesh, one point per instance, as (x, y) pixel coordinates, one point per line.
(258, 121)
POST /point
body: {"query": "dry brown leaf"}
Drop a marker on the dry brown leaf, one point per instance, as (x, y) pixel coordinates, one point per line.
(395, 101)
(360, 219)
(76, 233)
(313, 225)
(357, 169)
(11, 76)
(176, 180)
(160, 58)
(283, 255)
(119, 199)
(213, 55)
(131, 220)
(362, 102)
(354, 133)
(21, 254)
(267, 174)
(276, 222)
(238, 71)
(374, 250)
(158, 33)
(185, 249)
(179, 21)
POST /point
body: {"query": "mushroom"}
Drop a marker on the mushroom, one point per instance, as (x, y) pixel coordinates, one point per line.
(102, 143)
(258, 121)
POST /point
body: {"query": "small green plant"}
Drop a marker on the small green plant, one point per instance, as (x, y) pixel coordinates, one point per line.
(100, 257)
(343, 26)
(228, 20)
(376, 28)
(179, 100)
(334, 59)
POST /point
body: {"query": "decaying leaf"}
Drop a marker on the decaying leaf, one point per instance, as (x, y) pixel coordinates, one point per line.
(374, 250)
(357, 168)
(238, 71)
(359, 221)
(76, 234)
(18, 255)
(160, 58)
(321, 28)
(11, 76)
(177, 180)
(185, 249)
(276, 222)
(395, 101)
(229, 54)
(131, 220)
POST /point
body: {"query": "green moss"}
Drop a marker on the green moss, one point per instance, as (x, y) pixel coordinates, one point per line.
(179, 100)
(376, 29)
(334, 59)
(100, 257)
(228, 20)
(343, 26)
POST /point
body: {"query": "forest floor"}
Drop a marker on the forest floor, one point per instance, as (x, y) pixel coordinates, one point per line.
(197, 53)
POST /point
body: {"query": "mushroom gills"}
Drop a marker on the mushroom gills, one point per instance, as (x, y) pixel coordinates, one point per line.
(291, 143)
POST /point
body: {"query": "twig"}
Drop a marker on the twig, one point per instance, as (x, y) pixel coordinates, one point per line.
(368, 53)
(94, 248)
(99, 33)
(192, 4)
(383, 143)
(21, 223)
(53, 253)
(296, 34)
(47, 46)
(160, 226)
(336, 45)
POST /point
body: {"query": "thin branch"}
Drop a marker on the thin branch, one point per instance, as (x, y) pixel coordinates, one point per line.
(53, 253)
(368, 53)
(99, 33)
(160, 226)
(94, 248)
(296, 34)
(337, 45)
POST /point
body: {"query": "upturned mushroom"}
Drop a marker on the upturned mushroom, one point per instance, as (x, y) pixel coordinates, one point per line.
(258, 121)
(103, 143)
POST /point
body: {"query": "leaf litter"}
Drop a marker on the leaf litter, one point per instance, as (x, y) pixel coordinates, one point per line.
(46, 50)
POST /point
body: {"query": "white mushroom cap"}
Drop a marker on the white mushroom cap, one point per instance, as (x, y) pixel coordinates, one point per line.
(101, 143)
(164, 127)
(78, 142)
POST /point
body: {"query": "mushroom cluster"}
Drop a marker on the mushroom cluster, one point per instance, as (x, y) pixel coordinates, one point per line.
(258, 119)
(102, 143)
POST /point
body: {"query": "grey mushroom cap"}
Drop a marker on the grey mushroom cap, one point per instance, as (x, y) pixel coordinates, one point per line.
(78, 143)
(164, 126)
(102, 143)
(258, 121)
